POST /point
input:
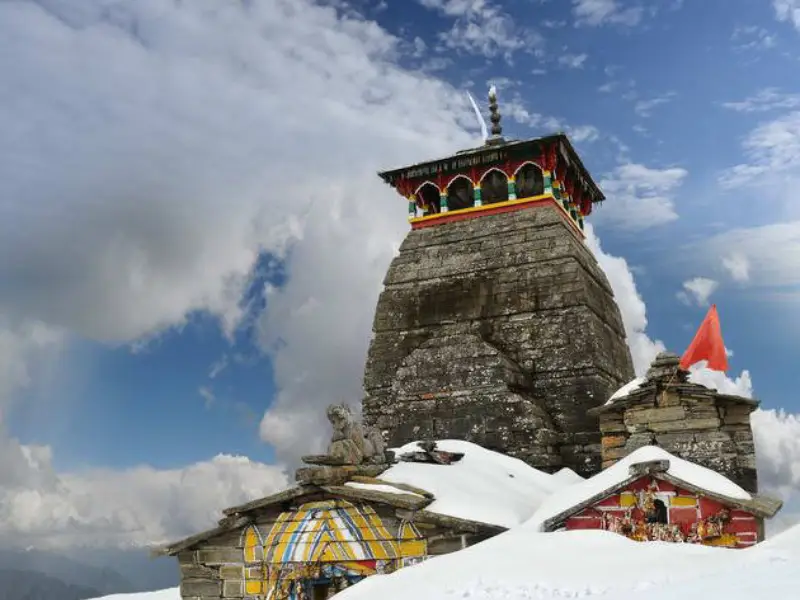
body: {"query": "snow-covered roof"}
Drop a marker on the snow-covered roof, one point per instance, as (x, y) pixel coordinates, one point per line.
(483, 486)
(559, 505)
(698, 374)
(626, 389)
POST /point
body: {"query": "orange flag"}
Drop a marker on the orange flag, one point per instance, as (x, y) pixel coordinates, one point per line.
(707, 344)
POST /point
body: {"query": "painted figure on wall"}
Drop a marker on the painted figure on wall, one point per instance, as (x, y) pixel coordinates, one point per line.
(323, 547)
(658, 511)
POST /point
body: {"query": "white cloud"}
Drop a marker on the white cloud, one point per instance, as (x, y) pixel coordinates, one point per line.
(631, 304)
(644, 108)
(572, 61)
(752, 37)
(765, 100)
(755, 261)
(788, 11)
(773, 152)
(698, 290)
(147, 158)
(737, 267)
(777, 441)
(639, 197)
(207, 394)
(482, 27)
(134, 507)
(583, 133)
(600, 12)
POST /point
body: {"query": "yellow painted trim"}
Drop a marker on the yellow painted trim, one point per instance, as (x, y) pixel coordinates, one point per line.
(683, 501)
(627, 499)
(483, 207)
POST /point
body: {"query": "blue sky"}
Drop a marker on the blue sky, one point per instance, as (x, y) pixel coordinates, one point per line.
(193, 235)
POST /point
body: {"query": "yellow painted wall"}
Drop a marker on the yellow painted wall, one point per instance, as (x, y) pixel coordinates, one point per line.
(308, 542)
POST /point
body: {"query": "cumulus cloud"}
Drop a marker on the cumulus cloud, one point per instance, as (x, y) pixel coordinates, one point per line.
(777, 438)
(640, 197)
(631, 304)
(698, 290)
(131, 508)
(147, 160)
(777, 441)
(788, 11)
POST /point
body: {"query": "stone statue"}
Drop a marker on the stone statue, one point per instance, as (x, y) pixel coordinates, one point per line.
(350, 443)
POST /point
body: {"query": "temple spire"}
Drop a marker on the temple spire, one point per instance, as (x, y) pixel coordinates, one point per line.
(497, 129)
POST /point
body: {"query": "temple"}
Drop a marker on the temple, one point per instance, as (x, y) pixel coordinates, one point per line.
(496, 324)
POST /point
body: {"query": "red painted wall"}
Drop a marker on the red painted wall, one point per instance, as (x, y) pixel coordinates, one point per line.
(739, 529)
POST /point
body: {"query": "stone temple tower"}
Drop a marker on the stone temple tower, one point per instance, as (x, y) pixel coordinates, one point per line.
(496, 324)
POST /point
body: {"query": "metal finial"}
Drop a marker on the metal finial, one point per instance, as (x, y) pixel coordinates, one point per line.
(497, 129)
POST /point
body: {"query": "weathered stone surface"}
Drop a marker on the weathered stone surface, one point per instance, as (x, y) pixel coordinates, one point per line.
(637, 416)
(613, 441)
(201, 587)
(492, 330)
(685, 419)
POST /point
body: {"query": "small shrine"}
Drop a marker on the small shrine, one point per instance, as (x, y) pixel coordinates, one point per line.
(651, 495)
(500, 176)
(339, 524)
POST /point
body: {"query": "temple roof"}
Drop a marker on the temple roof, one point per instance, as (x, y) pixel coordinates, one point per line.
(512, 147)
(659, 464)
(485, 492)
(665, 372)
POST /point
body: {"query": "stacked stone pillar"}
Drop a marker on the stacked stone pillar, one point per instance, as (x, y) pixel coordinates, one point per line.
(686, 419)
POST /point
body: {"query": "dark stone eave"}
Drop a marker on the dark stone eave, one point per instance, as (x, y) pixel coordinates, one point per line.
(572, 157)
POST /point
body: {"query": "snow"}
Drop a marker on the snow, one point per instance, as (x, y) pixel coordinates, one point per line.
(483, 486)
(375, 487)
(524, 564)
(626, 389)
(618, 472)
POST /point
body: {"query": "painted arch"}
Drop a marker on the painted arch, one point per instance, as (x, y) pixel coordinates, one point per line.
(529, 180)
(320, 539)
(460, 193)
(494, 186)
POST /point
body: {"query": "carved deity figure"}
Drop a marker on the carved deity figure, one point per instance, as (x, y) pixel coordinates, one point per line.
(350, 443)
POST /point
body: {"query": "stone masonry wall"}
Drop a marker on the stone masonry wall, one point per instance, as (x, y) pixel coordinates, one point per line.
(685, 419)
(501, 330)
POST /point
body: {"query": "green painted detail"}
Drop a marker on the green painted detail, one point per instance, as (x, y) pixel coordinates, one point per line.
(443, 202)
(512, 190)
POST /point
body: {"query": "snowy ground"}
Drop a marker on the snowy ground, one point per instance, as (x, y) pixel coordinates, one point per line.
(525, 564)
